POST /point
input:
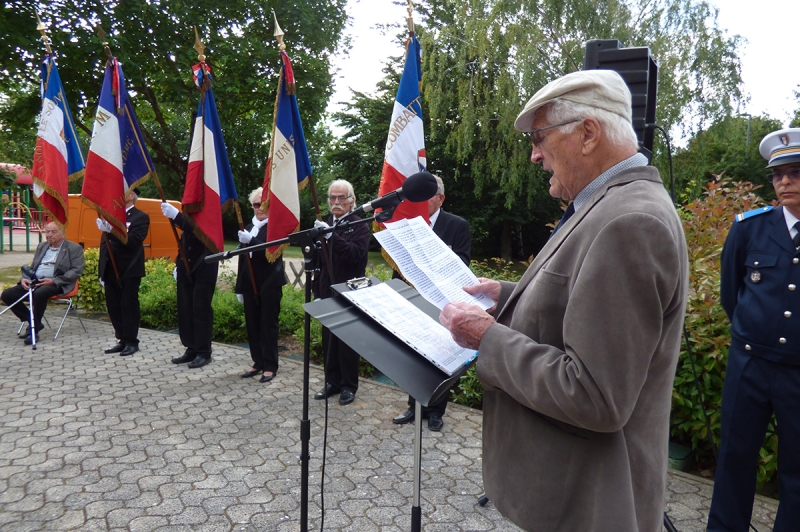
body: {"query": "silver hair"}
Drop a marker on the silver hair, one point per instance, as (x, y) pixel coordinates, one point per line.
(618, 130)
(255, 196)
(440, 185)
(342, 183)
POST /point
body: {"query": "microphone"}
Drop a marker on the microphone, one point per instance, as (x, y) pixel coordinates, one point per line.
(418, 187)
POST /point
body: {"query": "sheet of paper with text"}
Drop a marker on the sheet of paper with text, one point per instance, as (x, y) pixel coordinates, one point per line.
(429, 264)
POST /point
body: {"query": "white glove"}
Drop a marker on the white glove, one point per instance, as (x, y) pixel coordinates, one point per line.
(245, 237)
(103, 225)
(102, 282)
(319, 224)
(240, 298)
(168, 210)
(175, 274)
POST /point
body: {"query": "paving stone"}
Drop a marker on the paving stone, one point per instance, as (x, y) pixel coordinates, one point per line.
(143, 445)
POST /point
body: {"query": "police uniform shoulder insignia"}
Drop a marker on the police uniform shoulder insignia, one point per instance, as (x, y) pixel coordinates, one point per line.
(745, 215)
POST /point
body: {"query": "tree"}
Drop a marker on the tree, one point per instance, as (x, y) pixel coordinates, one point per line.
(154, 42)
(483, 59)
(728, 147)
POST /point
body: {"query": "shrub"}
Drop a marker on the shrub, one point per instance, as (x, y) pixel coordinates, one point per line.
(706, 224)
(158, 296)
(229, 326)
(91, 296)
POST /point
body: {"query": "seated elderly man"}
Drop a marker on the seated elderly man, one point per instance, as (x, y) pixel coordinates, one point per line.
(57, 263)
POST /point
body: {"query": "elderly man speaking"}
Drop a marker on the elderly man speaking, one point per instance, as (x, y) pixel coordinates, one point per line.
(577, 359)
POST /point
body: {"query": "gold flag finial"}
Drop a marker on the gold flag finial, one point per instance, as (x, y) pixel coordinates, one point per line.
(102, 35)
(199, 46)
(278, 33)
(410, 9)
(43, 30)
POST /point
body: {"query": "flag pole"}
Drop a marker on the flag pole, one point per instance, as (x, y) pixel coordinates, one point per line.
(200, 48)
(68, 116)
(102, 35)
(282, 47)
(151, 170)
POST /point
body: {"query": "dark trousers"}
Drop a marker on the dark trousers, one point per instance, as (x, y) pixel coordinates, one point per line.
(261, 321)
(40, 297)
(123, 308)
(435, 407)
(341, 362)
(195, 315)
(754, 388)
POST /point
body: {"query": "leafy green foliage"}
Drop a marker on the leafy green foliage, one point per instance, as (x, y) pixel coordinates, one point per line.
(229, 325)
(158, 296)
(706, 224)
(91, 296)
(154, 40)
(728, 147)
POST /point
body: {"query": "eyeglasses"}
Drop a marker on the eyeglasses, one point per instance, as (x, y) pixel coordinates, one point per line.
(338, 199)
(777, 175)
(538, 138)
(256, 205)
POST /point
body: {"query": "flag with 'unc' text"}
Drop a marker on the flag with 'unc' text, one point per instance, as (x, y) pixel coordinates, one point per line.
(118, 160)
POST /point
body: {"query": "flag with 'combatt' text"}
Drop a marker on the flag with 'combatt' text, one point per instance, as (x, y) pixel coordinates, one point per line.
(405, 145)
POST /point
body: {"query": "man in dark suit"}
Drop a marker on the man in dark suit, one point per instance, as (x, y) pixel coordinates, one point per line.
(122, 295)
(760, 273)
(195, 292)
(348, 251)
(57, 263)
(453, 231)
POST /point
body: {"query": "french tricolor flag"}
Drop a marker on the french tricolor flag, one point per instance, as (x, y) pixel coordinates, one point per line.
(288, 167)
(57, 158)
(118, 160)
(209, 180)
(405, 145)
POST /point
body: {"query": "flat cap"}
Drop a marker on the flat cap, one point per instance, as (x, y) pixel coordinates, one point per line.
(781, 147)
(603, 89)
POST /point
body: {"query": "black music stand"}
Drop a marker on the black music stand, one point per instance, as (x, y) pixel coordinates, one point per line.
(408, 369)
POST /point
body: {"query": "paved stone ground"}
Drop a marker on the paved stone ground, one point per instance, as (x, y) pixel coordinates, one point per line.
(96, 442)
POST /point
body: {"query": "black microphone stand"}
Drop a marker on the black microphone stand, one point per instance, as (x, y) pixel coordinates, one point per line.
(309, 243)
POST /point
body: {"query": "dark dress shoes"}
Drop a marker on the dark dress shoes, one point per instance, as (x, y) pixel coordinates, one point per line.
(183, 359)
(435, 422)
(346, 397)
(129, 350)
(267, 378)
(329, 390)
(199, 362)
(116, 349)
(405, 417)
(248, 374)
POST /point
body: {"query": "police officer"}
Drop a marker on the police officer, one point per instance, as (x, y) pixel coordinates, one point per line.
(760, 276)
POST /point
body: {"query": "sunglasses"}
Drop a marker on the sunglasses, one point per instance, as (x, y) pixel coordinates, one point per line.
(777, 176)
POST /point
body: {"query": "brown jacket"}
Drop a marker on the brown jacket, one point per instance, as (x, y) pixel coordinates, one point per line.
(578, 371)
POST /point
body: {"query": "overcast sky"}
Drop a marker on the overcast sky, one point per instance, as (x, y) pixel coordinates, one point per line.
(769, 60)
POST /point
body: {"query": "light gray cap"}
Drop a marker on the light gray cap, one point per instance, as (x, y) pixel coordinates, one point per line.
(603, 89)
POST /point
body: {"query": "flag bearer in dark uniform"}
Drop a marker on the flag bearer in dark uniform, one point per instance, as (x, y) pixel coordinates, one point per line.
(122, 296)
(195, 315)
(759, 291)
(261, 311)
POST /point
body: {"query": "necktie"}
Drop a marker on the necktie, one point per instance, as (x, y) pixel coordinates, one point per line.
(567, 214)
(796, 238)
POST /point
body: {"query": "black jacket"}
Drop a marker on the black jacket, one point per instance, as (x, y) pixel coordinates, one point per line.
(349, 256)
(129, 257)
(268, 274)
